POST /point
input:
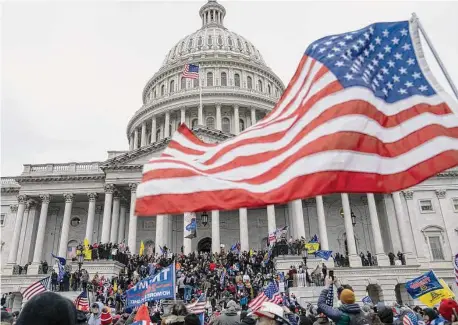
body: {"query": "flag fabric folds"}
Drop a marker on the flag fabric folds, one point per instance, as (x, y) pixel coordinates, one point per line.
(198, 307)
(362, 114)
(323, 254)
(367, 300)
(60, 264)
(191, 71)
(270, 294)
(314, 239)
(87, 252)
(36, 288)
(142, 249)
(82, 302)
(190, 225)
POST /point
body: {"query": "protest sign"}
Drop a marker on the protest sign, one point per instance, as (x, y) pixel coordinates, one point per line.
(423, 284)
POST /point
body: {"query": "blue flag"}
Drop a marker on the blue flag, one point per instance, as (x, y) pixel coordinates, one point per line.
(314, 239)
(323, 254)
(61, 262)
(367, 300)
(423, 284)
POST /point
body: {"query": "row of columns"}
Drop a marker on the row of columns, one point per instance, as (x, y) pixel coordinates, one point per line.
(134, 138)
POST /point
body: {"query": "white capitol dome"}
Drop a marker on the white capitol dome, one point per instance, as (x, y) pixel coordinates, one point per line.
(237, 85)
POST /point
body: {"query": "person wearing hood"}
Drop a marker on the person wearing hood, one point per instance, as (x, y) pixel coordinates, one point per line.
(384, 314)
(96, 312)
(229, 316)
(431, 317)
(348, 311)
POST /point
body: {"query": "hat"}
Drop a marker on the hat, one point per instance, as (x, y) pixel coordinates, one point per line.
(272, 311)
(446, 308)
(347, 296)
(105, 318)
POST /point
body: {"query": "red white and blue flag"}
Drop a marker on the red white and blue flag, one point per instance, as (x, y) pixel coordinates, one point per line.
(36, 288)
(198, 307)
(81, 302)
(362, 114)
(455, 265)
(269, 294)
(191, 71)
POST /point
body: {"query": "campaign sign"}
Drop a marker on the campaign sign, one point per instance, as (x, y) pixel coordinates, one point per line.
(423, 284)
(157, 287)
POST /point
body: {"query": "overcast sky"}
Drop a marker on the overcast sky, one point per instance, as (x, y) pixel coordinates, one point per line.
(73, 72)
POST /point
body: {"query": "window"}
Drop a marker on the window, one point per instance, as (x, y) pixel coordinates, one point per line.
(2, 219)
(209, 79)
(193, 123)
(239, 44)
(75, 222)
(211, 122)
(426, 206)
(249, 82)
(223, 79)
(190, 43)
(268, 89)
(170, 130)
(210, 40)
(172, 86)
(183, 83)
(241, 125)
(200, 41)
(162, 90)
(226, 125)
(229, 41)
(158, 134)
(195, 83)
(154, 92)
(247, 48)
(237, 80)
(182, 47)
(259, 85)
(220, 40)
(455, 204)
(436, 248)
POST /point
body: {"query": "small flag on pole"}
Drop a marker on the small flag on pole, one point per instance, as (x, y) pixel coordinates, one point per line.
(455, 264)
(191, 71)
(36, 288)
(81, 302)
(142, 248)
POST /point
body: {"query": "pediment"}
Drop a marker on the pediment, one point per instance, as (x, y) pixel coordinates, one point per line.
(136, 158)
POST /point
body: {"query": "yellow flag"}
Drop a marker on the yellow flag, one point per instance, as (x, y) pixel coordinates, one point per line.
(251, 252)
(434, 297)
(142, 248)
(312, 247)
(86, 251)
(115, 286)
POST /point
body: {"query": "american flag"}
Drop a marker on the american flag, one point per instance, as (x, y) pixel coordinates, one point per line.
(191, 71)
(36, 288)
(81, 302)
(455, 264)
(362, 114)
(330, 296)
(198, 307)
(410, 319)
(270, 294)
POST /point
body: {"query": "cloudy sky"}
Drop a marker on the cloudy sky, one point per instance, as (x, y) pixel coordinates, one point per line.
(73, 72)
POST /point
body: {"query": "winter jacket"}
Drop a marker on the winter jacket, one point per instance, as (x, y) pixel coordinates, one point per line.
(385, 314)
(228, 317)
(95, 319)
(340, 315)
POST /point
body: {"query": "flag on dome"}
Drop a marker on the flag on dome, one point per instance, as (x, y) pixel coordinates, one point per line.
(191, 71)
(362, 114)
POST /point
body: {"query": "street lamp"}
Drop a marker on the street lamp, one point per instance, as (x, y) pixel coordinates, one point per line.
(204, 218)
(80, 257)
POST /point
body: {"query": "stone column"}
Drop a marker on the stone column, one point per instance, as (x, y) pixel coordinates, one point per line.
(115, 218)
(122, 222)
(143, 138)
(131, 142)
(90, 216)
(29, 231)
(135, 139)
(412, 209)
(218, 117)
(153, 129)
(38, 252)
(183, 115)
(66, 225)
(236, 120)
(298, 213)
(355, 260)
(271, 223)
(167, 125)
(132, 240)
(187, 242)
(445, 209)
(109, 189)
(404, 225)
(382, 259)
(244, 239)
(253, 116)
(216, 239)
(324, 243)
(17, 229)
(160, 225)
(200, 115)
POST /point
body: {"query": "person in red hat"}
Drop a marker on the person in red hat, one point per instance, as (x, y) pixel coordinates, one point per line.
(105, 318)
(449, 310)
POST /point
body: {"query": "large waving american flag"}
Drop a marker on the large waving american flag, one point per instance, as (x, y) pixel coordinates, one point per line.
(363, 113)
(36, 288)
(82, 302)
(269, 294)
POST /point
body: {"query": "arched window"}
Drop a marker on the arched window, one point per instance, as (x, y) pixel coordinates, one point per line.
(170, 130)
(229, 41)
(247, 48)
(249, 82)
(220, 40)
(172, 86)
(259, 85)
(193, 123)
(241, 125)
(162, 90)
(226, 124)
(210, 122)
(268, 89)
(195, 83)
(209, 79)
(210, 40)
(239, 44)
(190, 43)
(183, 83)
(237, 80)
(435, 238)
(154, 92)
(182, 47)
(200, 41)
(158, 134)
(223, 79)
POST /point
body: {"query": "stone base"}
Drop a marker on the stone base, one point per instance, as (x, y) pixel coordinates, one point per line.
(382, 260)
(34, 269)
(9, 269)
(410, 259)
(355, 261)
(107, 268)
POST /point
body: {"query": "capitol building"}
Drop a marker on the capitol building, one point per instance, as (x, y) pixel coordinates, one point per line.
(51, 208)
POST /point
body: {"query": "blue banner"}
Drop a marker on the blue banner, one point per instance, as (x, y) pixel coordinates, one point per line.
(60, 264)
(423, 284)
(160, 286)
(323, 254)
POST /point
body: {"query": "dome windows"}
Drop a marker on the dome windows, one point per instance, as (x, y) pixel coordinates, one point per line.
(223, 79)
(268, 89)
(239, 44)
(220, 40)
(183, 83)
(229, 41)
(172, 86)
(247, 48)
(154, 92)
(162, 90)
(209, 79)
(190, 44)
(241, 125)
(210, 40)
(237, 80)
(200, 41)
(195, 83)
(260, 85)
(182, 47)
(249, 82)
(226, 125)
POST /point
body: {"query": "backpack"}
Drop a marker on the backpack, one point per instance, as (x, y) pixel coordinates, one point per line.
(358, 319)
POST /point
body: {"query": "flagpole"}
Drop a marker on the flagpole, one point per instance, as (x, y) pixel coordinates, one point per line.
(200, 94)
(436, 55)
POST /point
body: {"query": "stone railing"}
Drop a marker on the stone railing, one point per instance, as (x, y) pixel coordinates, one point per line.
(59, 169)
(8, 182)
